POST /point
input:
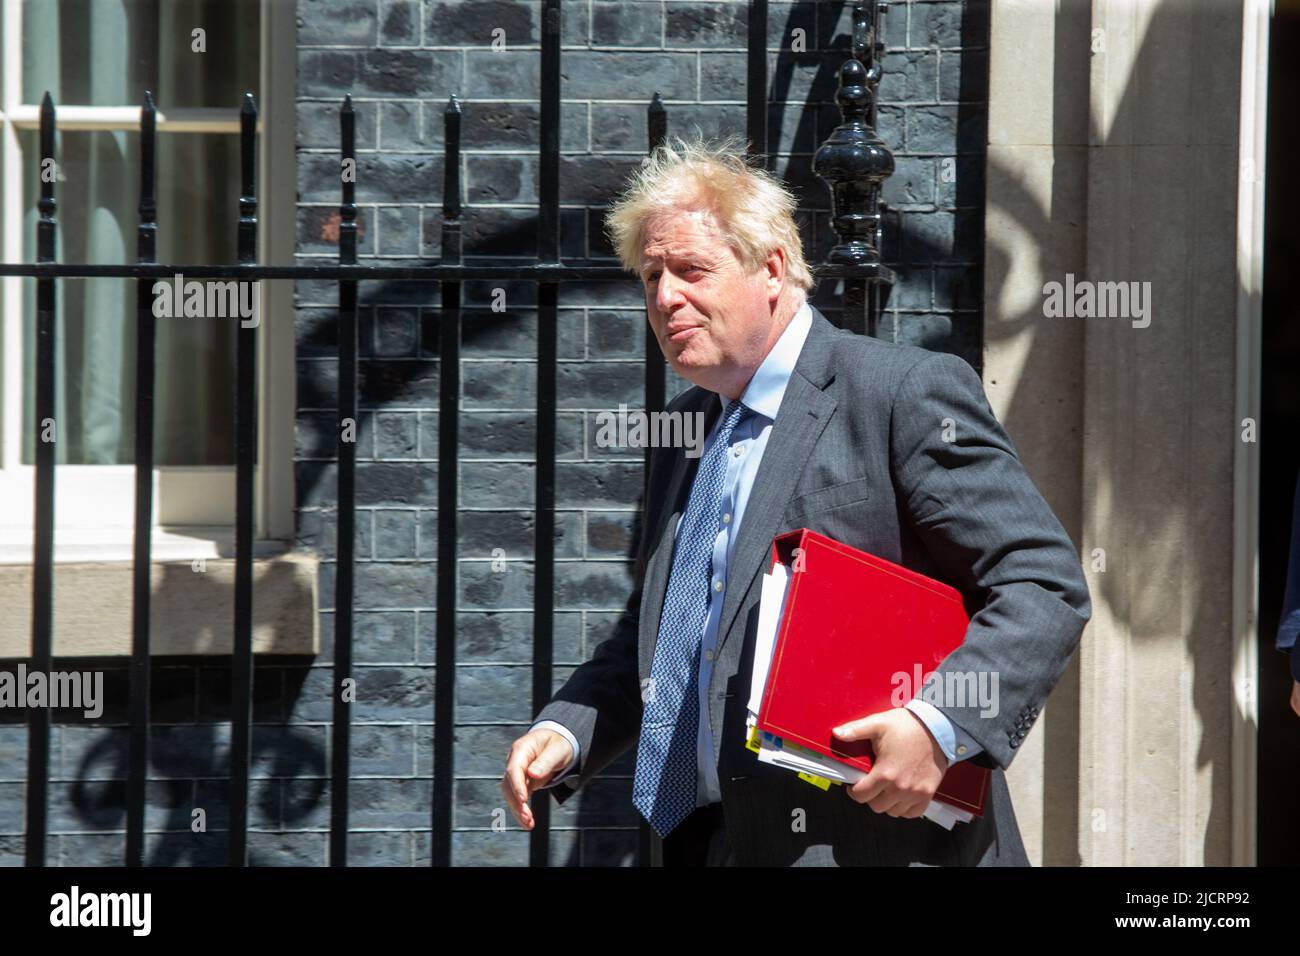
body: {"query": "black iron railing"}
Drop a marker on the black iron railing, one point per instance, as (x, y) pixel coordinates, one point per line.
(853, 161)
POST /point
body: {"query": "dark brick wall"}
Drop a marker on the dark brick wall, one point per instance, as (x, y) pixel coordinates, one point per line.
(401, 59)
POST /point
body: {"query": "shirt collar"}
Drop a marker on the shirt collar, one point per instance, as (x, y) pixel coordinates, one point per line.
(765, 390)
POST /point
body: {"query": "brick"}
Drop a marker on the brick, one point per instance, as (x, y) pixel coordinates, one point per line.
(396, 332)
(513, 72)
(337, 22)
(931, 129)
(597, 484)
(513, 435)
(513, 333)
(506, 636)
(594, 179)
(499, 384)
(610, 533)
(493, 693)
(910, 77)
(395, 534)
(399, 230)
(287, 849)
(936, 24)
(386, 693)
(428, 435)
(377, 636)
(483, 587)
(497, 484)
(470, 23)
(502, 231)
(318, 126)
(398, 382)
(912, 183)
(284, 751)
(379, 848)
(616, 334)
(13, 753)
(321, 534)
(592, 584)
(722, 77)
(484, 848)
(618, 23)
(399, 22)
(913, 289)
(705, 25)
(391, 585)
(318, 230)
(396, 435)
(12, 851)
(640, 75)
(509, 124)
(599, 385)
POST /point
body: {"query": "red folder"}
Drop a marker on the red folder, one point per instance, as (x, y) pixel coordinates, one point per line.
(852, 623)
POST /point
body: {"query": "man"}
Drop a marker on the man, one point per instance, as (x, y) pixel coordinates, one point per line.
(891, 449)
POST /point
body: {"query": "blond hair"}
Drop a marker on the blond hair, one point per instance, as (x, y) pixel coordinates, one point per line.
(753, 209)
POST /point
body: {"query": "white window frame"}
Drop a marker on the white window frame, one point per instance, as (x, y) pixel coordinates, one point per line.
(94, 504)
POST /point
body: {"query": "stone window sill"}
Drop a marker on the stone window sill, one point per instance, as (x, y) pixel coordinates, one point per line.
(193, 592)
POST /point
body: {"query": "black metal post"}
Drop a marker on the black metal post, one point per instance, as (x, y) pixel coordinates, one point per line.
(145, 337)
(241, 684)
(548, 252)
(345, 497)
(449, 320)
(38, 718)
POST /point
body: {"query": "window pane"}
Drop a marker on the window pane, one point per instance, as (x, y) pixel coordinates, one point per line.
(108, 52)
(198, 209)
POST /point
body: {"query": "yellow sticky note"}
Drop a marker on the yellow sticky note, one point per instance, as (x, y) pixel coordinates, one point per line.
(821, 782)
(752, 742)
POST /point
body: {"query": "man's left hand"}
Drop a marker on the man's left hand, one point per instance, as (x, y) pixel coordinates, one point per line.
(909, 764)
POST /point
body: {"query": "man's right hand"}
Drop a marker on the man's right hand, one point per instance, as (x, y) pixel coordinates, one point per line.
(534, 759)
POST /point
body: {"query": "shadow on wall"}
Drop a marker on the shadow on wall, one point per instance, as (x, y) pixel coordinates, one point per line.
(1053, 225)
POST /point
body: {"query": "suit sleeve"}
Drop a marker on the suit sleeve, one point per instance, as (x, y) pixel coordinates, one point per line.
(993, 537)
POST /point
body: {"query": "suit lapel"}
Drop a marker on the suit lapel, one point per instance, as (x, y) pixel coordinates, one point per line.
(805, 410)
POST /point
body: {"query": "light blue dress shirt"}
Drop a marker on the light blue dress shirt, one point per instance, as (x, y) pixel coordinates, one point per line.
(762, 397)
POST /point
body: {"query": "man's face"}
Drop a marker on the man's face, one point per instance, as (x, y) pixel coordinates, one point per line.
(713, 319)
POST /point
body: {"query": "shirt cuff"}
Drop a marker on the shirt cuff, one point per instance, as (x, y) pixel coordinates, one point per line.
(955, 743)
(573, 742)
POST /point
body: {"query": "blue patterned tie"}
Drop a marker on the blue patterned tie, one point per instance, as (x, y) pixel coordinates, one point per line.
(664, 788)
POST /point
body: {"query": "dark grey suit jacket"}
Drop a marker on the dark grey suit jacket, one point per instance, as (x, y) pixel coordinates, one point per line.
(857, 452)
